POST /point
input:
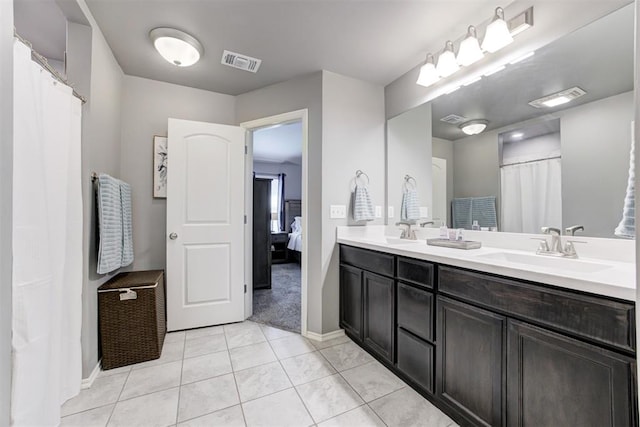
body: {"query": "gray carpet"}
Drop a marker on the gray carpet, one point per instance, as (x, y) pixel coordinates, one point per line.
(280, 305)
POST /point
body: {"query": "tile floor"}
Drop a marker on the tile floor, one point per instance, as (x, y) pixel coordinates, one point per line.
(247, 374)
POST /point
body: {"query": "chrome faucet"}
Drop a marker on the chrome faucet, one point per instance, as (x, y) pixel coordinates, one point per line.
(424, 224)
(407, 233)
(555, 247)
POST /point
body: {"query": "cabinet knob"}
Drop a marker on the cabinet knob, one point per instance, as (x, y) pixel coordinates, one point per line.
(173, 236)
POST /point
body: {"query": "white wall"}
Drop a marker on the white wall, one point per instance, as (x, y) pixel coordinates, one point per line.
(292, 181)
(409, 152)
(146, 106)
(100, 153)
(297, 94)
(6, 204)
(353, 138)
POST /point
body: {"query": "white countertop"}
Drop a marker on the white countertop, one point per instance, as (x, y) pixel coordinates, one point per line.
(616, 277)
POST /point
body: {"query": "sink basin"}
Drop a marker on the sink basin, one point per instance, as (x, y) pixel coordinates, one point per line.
(565, 264)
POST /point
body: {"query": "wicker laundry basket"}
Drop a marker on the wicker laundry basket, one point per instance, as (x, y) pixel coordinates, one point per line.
(131, 311)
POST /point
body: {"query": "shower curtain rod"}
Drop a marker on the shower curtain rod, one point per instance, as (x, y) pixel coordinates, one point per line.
(531, 161)
(45, 64)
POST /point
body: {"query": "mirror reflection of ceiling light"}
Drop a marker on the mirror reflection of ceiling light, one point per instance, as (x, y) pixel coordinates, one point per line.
(497, 34)
(474, 127)
(447, 64)
(469, 51)
(517, 135)
(428, 74)
(177, 47)
(558, 98)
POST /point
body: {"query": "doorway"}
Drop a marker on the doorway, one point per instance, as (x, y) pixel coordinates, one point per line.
(276, 182)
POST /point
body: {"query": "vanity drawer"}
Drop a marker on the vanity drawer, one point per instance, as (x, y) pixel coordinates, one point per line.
(415, 359)
(415, 271)
(375, 262)
(415, 310)
(598, 319)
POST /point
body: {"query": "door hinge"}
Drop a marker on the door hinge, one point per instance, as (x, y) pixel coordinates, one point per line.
(245, 289)
(245, 219)
(246, 149)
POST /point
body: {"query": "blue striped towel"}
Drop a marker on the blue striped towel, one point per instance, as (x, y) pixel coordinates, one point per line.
(627, 226)
(127, 232)
(466, 210)
(410, 208)
(110, 224)
(362, 205)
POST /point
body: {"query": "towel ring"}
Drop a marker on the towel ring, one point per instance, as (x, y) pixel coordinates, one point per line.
(410, 181)
(359, 174)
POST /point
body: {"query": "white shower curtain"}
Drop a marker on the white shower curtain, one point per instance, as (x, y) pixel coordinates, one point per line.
(531, 196)
(47, 244)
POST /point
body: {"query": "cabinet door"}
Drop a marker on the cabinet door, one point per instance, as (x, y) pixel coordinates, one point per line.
(415, 359)
(351, 300)
(558, 381)
(379, 319)
(470, 358)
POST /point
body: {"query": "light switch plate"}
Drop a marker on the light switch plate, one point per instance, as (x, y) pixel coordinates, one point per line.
(390, 212)
(378, 211)
(338, 211)
(424, 212)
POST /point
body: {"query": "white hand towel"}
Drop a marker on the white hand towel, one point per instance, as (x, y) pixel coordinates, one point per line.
(627, 226)
(127, 232)
(410, 209)
(362, 205)
(110, 224)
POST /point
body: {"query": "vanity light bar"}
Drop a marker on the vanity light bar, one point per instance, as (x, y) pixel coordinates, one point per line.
(498, 34)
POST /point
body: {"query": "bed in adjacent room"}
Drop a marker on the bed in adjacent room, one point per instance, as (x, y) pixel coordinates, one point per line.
(293, 216)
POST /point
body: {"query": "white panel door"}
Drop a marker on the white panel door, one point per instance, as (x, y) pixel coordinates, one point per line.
(205, 224)
(439, 195)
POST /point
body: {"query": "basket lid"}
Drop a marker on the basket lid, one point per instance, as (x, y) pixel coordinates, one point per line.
(132, 280)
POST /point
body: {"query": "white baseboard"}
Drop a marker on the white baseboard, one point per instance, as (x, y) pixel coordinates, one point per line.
(88, 382)
(324, 337)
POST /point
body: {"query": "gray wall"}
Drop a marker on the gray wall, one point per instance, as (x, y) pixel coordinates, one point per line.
(6, 204)
(296, 94)
(293, 180)
(409, 153)
(553, 19)
(146, 106)
(352, 138)
(100, 153)
(443, 149)
(596, 139)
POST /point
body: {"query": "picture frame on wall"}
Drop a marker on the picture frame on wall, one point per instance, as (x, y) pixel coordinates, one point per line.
(160, 155)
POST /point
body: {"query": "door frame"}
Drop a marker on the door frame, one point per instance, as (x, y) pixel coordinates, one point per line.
(250, 126)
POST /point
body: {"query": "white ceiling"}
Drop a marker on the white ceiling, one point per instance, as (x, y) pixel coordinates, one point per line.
(278, 144)
(43, 24)
(375, 41)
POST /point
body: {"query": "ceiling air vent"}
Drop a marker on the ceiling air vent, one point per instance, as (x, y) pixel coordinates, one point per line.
(558, 98)
(242, 62)
(453, 119)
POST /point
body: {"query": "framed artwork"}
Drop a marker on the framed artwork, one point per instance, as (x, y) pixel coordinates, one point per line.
(160, 153)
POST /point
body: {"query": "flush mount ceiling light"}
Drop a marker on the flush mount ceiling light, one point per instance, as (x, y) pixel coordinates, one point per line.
(447, 63)
(474, 127)
(497, 35)
(177, 47)
(428, 74)
(470, 51)
(558, 98)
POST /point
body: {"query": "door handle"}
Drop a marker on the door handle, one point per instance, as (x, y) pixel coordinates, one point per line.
(173, 236)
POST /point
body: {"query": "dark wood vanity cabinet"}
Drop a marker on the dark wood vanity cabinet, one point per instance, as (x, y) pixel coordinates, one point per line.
(471, 369)
(490, 350)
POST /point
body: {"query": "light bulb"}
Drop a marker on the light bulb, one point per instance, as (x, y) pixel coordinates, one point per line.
(497, 35)
(428, 74)
(470, 51)
(447, 64)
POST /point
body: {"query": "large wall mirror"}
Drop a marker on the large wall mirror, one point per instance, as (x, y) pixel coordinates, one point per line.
(558, 165)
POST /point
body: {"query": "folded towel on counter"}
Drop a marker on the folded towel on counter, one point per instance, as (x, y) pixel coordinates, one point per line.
(362, 205)
(110, 224)
(627, 226)
(127, 232)
(410, 208)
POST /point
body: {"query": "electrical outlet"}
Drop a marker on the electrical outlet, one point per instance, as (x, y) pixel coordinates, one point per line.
(390, 212)
(424, 212)
(338, 211)
(378, 211)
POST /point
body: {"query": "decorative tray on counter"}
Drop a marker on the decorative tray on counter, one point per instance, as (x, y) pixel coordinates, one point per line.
(455, 244)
